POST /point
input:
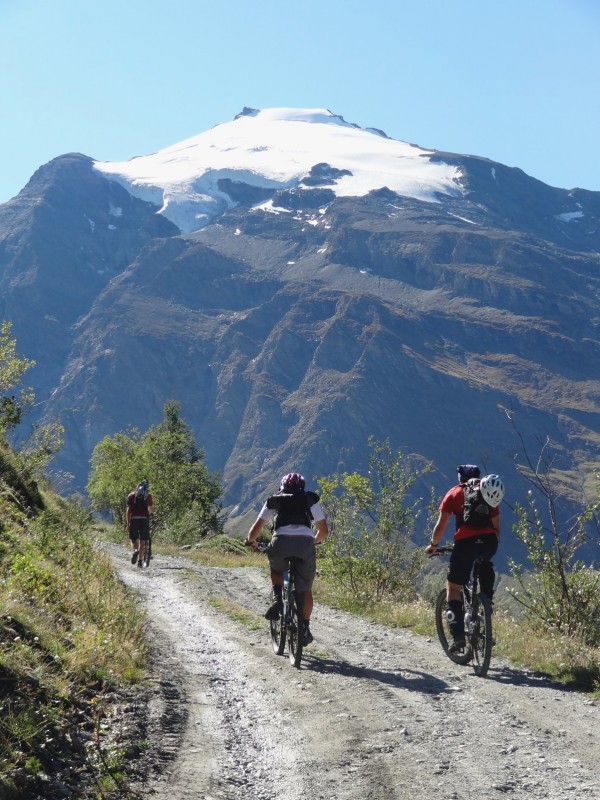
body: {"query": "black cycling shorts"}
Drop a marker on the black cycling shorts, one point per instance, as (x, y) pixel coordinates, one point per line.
(464, 554)
(302, 548)
(139, 528)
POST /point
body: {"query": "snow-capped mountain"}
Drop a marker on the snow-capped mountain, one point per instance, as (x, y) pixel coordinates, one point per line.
(298, 284)
(278, 148)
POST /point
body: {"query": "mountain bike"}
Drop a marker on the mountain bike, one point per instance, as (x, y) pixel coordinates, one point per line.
(288, 626)
(478, 622)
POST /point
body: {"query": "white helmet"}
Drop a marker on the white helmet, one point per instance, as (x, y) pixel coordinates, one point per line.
(492, 490)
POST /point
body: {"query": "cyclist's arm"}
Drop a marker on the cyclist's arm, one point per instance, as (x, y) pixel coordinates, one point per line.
(496, 524)
(250, 540)
(438, 531)
(322, 531)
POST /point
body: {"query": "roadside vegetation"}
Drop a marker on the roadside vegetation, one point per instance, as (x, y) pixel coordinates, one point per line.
(71, 637)
(68, 636)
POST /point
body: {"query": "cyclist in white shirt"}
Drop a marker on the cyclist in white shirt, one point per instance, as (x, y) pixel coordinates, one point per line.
(294, 512)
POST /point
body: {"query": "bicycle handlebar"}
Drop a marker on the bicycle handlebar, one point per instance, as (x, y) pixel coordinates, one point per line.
(261, 547)
(441, 551)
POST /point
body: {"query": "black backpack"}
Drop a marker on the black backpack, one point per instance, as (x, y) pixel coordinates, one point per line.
(476, 512)
(140, 501)
(292, 508)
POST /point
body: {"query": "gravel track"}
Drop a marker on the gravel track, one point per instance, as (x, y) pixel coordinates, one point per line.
(373, 712)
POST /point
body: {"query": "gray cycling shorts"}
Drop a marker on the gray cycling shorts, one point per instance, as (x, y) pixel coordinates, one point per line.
(301, 548)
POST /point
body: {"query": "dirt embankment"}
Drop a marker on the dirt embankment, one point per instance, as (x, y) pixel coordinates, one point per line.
(373, 713)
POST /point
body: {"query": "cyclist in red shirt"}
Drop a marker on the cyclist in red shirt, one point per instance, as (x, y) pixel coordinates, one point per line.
(479, 537)
(140, 505)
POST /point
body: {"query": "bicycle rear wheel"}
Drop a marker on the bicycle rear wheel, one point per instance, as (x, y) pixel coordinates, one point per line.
(443, 631)
(295, 632)
(148, 553)
(481, 638)
(277, 628)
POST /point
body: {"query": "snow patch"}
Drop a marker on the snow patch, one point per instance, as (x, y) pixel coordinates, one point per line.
(569, 216)
(463, 219)
(276, 149)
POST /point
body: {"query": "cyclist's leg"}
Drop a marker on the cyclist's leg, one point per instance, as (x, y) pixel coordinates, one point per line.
(276, 578)
(276, 606)
(307, 604)
(453, 591)
(144, 536)
(134, 537)
(276, 552)
(487, 575)
(459, 569)
(306, 569)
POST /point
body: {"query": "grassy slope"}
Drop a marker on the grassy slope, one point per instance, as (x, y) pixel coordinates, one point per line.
(65, 641)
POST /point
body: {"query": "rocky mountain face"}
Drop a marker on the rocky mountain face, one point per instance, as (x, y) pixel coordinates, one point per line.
(292, 332)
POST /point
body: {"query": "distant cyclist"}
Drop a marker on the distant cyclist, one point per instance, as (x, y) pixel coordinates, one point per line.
(474, 503)
(140, 505)
(294, 511)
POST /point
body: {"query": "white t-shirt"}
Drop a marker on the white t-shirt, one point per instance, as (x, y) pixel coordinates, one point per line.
(293, 530)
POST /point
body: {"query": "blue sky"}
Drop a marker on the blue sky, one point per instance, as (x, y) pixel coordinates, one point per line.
(517, 82)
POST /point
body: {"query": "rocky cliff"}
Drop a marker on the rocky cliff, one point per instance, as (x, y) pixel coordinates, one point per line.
(292, 331)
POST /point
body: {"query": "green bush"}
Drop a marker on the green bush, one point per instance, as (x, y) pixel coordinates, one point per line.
(559, 591)
(372, 518)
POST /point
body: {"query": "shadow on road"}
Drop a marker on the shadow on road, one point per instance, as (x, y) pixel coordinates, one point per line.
(517, 677)
(400, 678)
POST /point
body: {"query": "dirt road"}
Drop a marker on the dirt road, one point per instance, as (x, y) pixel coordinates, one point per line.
(373, 713)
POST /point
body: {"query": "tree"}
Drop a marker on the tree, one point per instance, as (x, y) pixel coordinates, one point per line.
(45, 441)
(186, 494)
(12, 369)
(116, 467)
(372, 519)
(40, 448)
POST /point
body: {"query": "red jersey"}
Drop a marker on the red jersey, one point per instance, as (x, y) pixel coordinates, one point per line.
(453, 503)
(141, 509)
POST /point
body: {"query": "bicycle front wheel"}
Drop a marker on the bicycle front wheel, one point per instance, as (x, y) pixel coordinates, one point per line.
(443, 631)
(481, 638)
(277, 628)
(294, 632)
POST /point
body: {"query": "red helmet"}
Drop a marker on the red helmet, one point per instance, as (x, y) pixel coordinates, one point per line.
(292, 482)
